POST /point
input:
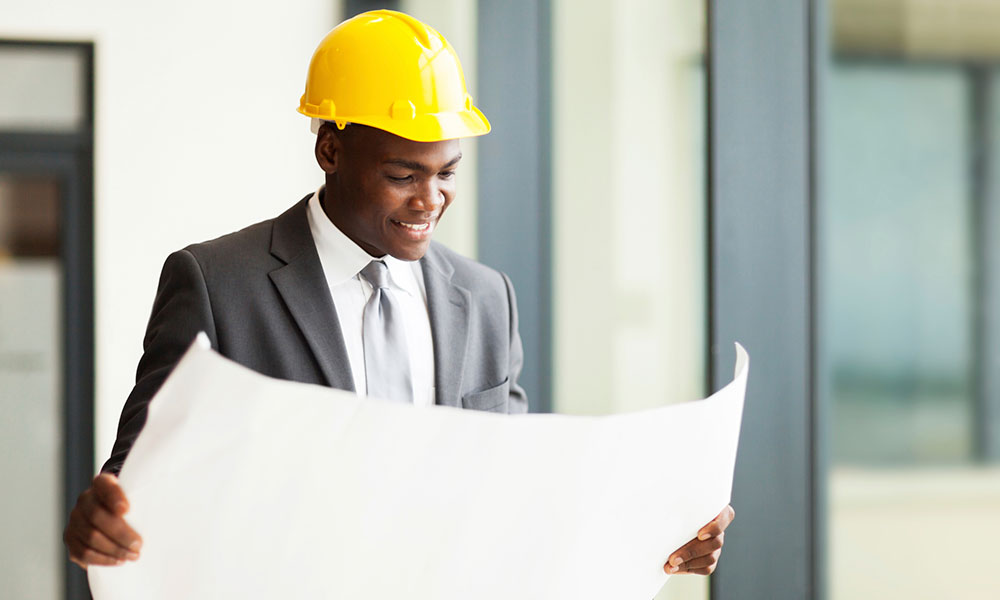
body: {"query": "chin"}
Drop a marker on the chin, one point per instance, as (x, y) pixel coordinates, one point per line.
(409, 254)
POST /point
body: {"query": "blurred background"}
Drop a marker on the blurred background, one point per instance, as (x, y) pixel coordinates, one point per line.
(817, 179)
(908, 270)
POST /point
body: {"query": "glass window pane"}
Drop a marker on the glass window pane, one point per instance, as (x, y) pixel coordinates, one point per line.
(31, 552)
(897, 268)
(909, 150)
(43, 88)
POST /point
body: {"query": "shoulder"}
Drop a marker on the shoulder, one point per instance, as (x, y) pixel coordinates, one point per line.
(247, 242)
(249, 249)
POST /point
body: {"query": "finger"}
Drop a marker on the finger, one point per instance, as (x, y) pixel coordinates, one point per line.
(110, 494)
(705, 548)
(691, 551)
(92, 557)
(115, 529)
(83, 555)
(718, 524)
(96, 540)
(91, 513)
(695, 548)
(703, 562)
(72, 546)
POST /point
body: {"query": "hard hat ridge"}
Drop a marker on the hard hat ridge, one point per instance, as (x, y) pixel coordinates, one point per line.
(388, 70)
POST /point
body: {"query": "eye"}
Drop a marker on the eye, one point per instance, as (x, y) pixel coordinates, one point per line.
(446, 174)
(405, 179)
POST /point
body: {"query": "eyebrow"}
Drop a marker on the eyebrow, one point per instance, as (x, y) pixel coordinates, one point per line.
(415, 166)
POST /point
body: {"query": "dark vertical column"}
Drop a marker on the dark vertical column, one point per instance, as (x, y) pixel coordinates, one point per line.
(986, 252)
(514, 226)
(77, 221)
(761, 165)
(77, 257)
(76, 216)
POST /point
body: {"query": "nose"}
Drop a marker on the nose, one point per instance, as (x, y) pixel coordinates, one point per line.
(428, 198)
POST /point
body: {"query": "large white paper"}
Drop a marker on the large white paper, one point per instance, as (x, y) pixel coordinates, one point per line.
(244, 486)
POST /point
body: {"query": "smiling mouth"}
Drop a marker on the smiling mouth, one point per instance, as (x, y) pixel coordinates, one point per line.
(414, 226)
(415, 231)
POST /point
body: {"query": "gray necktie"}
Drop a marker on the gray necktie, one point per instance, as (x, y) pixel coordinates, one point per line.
(387, 360)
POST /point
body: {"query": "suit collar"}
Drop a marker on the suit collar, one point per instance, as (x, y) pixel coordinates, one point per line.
(436, 260)
(302, 285)
(448, 308)
(339, 256)
(290, 237)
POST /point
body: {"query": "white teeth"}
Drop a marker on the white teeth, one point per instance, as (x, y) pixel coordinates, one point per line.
(420, 227)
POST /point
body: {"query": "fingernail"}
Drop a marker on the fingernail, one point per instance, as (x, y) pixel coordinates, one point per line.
(704, 536)
(119, 562)
(132, 556)
(677, 561)
(672, 570)
(134, 546)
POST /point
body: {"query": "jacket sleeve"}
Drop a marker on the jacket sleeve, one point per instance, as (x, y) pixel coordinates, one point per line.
(181, 310)
(518, 399)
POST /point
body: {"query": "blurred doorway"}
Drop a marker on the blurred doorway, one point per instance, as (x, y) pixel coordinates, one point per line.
(46, 309)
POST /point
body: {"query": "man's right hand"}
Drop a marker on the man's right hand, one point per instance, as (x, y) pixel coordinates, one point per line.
(97, 533)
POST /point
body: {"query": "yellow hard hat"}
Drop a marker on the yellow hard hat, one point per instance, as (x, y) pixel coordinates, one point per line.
(388, 70)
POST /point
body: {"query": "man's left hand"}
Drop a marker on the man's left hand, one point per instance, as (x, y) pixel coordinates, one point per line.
(701, 555)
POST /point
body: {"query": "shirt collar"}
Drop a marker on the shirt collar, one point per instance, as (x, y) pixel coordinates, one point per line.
(401, 274)
(342, 259)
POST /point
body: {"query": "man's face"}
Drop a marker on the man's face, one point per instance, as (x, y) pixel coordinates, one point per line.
(385, 192)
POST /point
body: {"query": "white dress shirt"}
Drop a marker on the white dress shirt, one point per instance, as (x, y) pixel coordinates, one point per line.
(342, 260)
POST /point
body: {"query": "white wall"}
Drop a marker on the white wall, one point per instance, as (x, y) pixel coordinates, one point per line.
(628, 204)
(196, 136)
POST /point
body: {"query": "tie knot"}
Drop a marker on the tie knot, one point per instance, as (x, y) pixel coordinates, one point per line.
(377, 274)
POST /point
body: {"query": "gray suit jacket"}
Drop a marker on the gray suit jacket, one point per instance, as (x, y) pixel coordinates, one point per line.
(261, 296)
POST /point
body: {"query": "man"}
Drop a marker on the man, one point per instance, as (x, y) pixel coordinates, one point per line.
(345, 288)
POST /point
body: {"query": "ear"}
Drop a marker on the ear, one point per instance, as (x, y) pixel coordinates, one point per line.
(328, 148)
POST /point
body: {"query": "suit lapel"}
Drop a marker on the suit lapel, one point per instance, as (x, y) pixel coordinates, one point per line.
(302, 285)
(448, 308)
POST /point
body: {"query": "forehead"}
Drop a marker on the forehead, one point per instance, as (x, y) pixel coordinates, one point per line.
(381, 146)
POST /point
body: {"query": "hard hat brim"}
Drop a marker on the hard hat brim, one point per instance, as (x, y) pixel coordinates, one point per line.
(431, 127)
